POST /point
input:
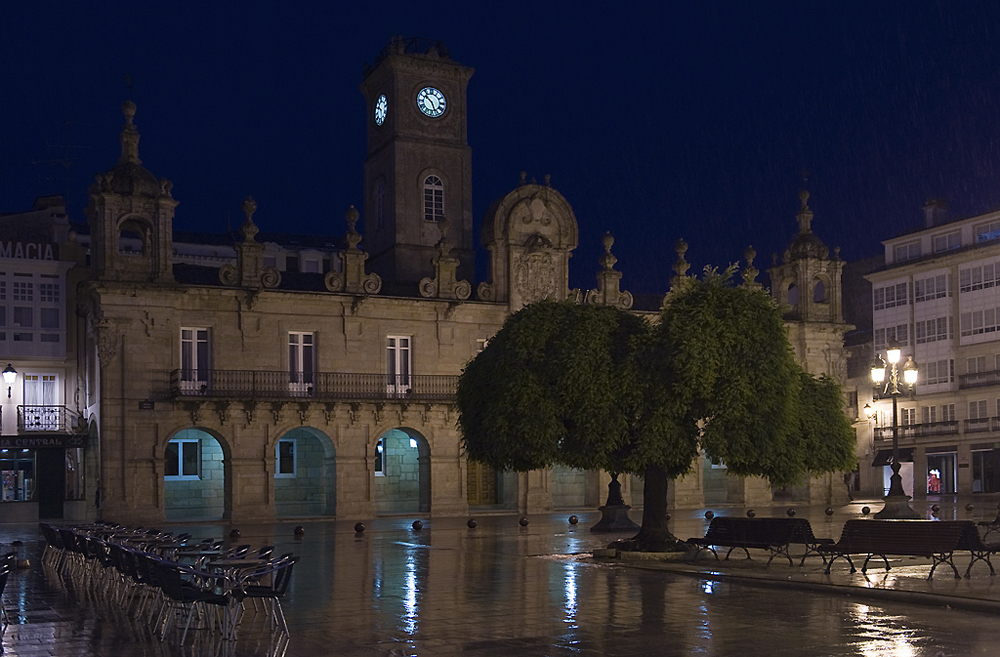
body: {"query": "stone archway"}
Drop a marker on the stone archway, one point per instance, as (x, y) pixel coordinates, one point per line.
(195, 481)
(402, 472)
(305, 474)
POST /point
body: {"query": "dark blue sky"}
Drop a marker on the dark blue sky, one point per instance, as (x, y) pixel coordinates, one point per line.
(656, 120)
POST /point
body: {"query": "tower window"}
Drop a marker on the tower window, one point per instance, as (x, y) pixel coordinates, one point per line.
(433, 199)
(379, 204)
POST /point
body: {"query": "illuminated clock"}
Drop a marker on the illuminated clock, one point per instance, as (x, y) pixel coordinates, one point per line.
(381, 107)
(431, 102)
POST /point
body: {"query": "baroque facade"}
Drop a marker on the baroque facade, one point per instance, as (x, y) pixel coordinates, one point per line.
(261, 377)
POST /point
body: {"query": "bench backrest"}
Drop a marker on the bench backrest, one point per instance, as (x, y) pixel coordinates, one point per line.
(759, 531)
(916, 537)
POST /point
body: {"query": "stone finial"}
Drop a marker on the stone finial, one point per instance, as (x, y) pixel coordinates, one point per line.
(444, 285)
(443, 245)
(608, 260)
(353, 236)
(130, 135)
(548, 180)
(682, 265)
(804, 215)
(249, 228)
(352, 277)
(249, 271)
(750, 273)
(524, 178)
(608, 290)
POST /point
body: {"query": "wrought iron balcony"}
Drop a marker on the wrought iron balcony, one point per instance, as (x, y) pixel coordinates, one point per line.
(47, 419)
(979, 379)
(320, 386)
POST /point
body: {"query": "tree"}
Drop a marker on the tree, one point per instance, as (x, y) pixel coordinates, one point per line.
(551, 387)
(595, 387)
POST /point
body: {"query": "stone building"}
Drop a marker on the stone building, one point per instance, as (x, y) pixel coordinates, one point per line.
(260, 377)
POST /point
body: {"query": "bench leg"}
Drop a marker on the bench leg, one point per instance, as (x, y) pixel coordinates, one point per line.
(745, 551)
(943, 558)
(775, 550)
(980, 556)
(833, 557)
(864, 568)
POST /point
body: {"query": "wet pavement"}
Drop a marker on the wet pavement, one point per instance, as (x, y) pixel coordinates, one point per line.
(503, 589)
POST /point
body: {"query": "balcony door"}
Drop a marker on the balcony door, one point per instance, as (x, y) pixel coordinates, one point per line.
(41, 409)
(194, 359)
(301, 363)
(399, 379)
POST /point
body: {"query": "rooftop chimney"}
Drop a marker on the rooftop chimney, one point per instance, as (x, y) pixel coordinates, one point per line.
(935, 212)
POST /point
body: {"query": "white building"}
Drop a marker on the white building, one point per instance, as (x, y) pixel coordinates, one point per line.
(938, 295)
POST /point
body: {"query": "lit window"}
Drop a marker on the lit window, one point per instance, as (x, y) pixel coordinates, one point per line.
(285, 458)
(183, 460)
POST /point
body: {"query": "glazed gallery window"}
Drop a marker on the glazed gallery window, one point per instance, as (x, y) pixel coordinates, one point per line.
(890, 296)
(398, 365)
(183, 460)
(932, 287)
(284, 465)
(194, 359)
(301, 361)
(40, 411)
(433, 199)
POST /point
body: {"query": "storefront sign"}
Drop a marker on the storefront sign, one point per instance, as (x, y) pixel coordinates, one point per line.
(41, 442)
(26, 251)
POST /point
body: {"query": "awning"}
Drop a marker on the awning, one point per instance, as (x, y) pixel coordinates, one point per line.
(884, 456)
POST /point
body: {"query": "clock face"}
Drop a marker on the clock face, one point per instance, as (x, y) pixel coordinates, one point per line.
(431, 102)
(381, 107)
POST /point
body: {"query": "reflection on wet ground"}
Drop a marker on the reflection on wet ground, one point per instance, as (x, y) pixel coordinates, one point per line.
(496, 590)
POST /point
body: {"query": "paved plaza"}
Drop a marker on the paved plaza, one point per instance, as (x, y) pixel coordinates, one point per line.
(504, 589)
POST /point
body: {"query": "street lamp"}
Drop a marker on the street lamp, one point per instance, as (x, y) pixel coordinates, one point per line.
(9, 376)
(897, 502)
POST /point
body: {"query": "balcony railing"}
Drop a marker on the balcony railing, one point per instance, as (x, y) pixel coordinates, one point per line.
(979, 379)
(331, 386)
(48, 419)
(977, 425)
(918, 430)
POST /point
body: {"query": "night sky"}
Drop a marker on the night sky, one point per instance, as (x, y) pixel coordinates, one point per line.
(656, 122)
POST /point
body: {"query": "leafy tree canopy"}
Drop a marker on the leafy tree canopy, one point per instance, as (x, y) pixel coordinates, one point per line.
(551, 387)
(597, 387)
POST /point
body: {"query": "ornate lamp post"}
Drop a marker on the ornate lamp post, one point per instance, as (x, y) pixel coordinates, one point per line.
(897, 502)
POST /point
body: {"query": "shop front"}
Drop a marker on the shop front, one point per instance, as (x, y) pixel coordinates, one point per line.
(39, 475)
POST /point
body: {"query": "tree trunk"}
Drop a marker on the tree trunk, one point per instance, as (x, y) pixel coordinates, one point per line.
(653, 536)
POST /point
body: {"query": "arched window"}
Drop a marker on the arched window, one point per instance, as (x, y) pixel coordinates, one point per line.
(433, 199)
(819, 291)
(379, 204)
(793, 295)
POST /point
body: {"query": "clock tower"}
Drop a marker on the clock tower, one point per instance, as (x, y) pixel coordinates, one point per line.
(418, 170)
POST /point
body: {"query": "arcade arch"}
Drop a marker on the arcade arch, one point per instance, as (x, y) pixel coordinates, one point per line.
(402, 472)
(195, 475)
(305, 474)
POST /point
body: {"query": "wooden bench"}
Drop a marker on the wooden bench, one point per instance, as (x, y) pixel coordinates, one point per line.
(933, 539)
(772, 534)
